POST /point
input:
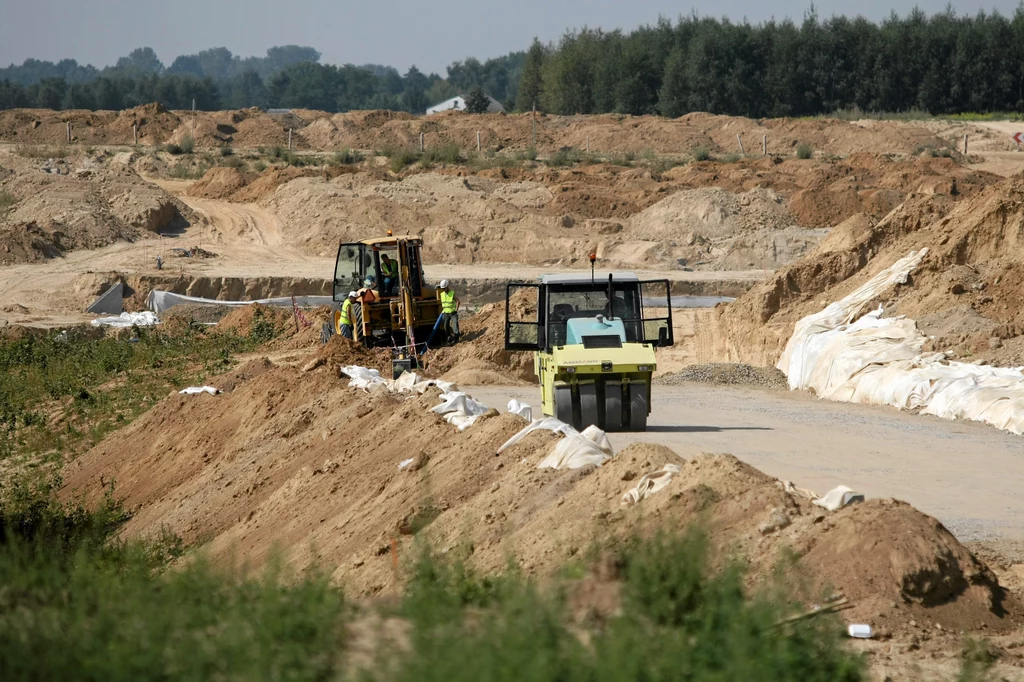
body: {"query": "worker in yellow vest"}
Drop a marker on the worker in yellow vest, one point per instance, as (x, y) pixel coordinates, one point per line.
(345, 316)
(389, 273)
(449, 311)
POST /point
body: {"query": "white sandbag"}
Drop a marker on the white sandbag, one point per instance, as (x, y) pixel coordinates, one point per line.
(125, 320)
(578, 450)
(838, 497)
(459, 410)
(195, 390)
(366, 379)
(650, 484)
(547, 423)
(521, 409)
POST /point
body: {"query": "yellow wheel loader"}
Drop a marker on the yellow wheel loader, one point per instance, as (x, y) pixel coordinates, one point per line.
(594, 337)
(396, 307)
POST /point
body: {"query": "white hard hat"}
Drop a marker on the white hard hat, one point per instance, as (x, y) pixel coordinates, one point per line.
(353, 294)
(444, 284)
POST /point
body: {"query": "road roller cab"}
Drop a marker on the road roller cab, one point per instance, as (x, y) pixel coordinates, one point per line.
(594, 337)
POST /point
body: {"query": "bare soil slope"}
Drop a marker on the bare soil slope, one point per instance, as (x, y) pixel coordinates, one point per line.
(298, 461)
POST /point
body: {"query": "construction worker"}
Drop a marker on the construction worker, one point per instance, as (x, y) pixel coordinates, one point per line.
(345, 317)
(449, 311)
(389, 271)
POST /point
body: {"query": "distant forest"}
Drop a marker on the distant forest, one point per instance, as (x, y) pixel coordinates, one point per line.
(940, 64)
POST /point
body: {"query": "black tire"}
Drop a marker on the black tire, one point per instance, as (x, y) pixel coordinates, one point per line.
(612, 406)
(588, 406)
(563, 404)
(638, 407)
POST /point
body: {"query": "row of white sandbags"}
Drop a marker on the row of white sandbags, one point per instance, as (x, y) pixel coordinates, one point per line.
(844, 356)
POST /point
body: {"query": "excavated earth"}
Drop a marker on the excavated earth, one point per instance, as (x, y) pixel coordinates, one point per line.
(292, 461)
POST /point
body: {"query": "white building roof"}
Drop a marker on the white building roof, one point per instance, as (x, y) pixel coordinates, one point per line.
(458, 103)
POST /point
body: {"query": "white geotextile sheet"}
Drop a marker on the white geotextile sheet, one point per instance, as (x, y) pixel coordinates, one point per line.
(575, 450)
(878, 361)
(409, 382)
(521, 409)
(838, 497)
(650, 484)
(459, 410)
(143, 319)
(159, 301)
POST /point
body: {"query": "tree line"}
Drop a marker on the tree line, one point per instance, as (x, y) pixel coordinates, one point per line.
(288, 77)
(940, 64)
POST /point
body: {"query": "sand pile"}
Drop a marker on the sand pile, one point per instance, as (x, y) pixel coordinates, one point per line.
(257, 319)
(964, 294)
(218, 183)
(480, 357)
(79, 203)
(298, 461)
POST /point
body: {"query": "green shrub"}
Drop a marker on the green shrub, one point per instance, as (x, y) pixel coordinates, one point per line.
(449, 154)
(187, 144)
(731, 157)
(7, 200)
(347, 156)
(529, 154)
(804, 151)
(173, 149)
(183, 170)
(701, 154)
(400, 158)
(563, 157)
(260, 166)
(226, 150)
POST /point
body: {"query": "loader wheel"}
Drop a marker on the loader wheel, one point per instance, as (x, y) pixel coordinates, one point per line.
(588, 406)
(612, 406)
(563, 404)
(638, 407)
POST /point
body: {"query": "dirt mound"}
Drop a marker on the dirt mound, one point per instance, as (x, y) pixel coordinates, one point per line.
(964, 293)
(480, 357)
(256, 319)
(711, 213)
(298, 461)
(339, 351)
(218, 183)
(79, 202)
(264, 185)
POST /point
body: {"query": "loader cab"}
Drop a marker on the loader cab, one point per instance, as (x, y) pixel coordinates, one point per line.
(595, 311)
(377, 264)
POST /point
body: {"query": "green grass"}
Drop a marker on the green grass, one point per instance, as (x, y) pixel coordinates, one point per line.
(804, 151)
(42, 151)
(448, 154)
(347, 157)
(701, 154)
(60, 393)
(564, 157)
(80, 604)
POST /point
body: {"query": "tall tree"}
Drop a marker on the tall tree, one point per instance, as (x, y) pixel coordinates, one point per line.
(532, 81)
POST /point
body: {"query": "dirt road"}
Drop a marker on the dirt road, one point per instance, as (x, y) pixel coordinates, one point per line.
(249, 242)
(967, 475)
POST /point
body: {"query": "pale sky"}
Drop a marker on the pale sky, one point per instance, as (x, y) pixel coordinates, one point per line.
(430, 34)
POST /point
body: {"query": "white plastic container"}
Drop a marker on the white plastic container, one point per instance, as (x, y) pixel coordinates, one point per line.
(860, 631)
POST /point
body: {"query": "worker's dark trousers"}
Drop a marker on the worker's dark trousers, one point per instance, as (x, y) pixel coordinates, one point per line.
(450, 323)
(346, 331)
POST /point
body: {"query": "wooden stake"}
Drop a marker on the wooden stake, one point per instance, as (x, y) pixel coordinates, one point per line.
(421, 143)
(738, 139)
(135, 134)
(764, 145)
(588, 144)
(289, 139)
(478, 142)
(965, 144)
(69, 132)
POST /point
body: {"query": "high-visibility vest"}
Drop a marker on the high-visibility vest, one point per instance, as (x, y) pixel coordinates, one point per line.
(346, 312)
(389, 268)
(448, 302)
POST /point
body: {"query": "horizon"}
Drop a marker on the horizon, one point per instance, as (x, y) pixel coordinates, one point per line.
(31, 32)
